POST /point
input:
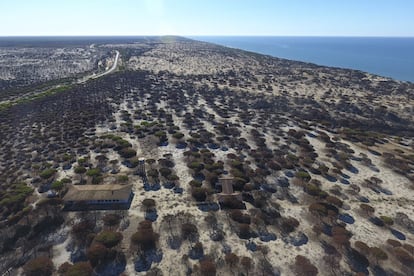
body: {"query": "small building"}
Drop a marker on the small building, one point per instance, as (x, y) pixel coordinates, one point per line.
(141, 167)
(227, 190)
(226, 185)
(98, 197)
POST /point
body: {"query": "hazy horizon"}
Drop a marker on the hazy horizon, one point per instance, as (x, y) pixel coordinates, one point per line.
(197, 36)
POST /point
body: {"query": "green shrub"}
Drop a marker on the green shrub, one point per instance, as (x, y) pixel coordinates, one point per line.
(122, 178)
(47, 173)
(123, 144)
(237, 164)
(314, 191)
(195, 183)
(160, 134)
(178, 135)
(57, 185)
(97, 179)
(65, 180)
(214, 166)
(93, 172)
(303, 175)
(378, 253)
(109, 238)
(127, 153)
(80, 170)
(292, 157)
(387, 220)
(237, 173)
(196, 166)
(16, 195)
(82, 161)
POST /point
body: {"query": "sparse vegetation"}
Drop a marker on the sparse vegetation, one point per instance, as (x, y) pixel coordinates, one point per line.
(295, 138)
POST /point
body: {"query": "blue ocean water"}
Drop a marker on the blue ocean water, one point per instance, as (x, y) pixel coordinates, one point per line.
(385, 56)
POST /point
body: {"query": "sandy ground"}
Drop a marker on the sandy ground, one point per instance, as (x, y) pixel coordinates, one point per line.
(401, 199)
(60, 253)
(281, 255)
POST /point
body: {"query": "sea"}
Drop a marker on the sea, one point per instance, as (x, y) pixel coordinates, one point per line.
(391, 57)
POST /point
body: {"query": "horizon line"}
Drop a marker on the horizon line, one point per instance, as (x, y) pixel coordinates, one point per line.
(209, 35)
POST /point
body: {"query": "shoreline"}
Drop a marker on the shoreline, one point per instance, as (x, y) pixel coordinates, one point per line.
(293, 48)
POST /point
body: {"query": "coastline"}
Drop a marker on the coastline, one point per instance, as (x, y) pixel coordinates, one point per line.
(388, 57)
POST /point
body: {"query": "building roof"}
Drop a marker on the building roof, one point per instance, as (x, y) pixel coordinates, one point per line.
(226, 178)
(98, 192)
(226, 185)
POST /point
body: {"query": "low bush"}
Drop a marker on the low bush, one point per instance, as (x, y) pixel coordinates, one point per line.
(145, 237)
(111, 219)
(404, 257)
(109, 238)
(244, 231)
(40, 266)
(47, 173)
(304, 267)
(96, 253)
(178, 135)
(288, 225)
(207, 267)
(378, 254)
(95, 172)
(189, 231)
(239, 217)
(303, 175)
(199, 193)
(231, 259)
(15, 196)
(122, 178)
(148, 203)
(196, 166)
(127, 153)
(387, 220)
(246, 263)
(80, 170)
(165, 172)
(77, 269)
(195, 183)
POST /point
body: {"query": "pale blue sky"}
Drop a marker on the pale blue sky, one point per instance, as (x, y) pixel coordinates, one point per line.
(208, 17)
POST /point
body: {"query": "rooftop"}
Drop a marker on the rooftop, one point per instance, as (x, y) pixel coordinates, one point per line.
(98, 192)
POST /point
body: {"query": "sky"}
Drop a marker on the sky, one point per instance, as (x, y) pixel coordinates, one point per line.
(207, 17)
